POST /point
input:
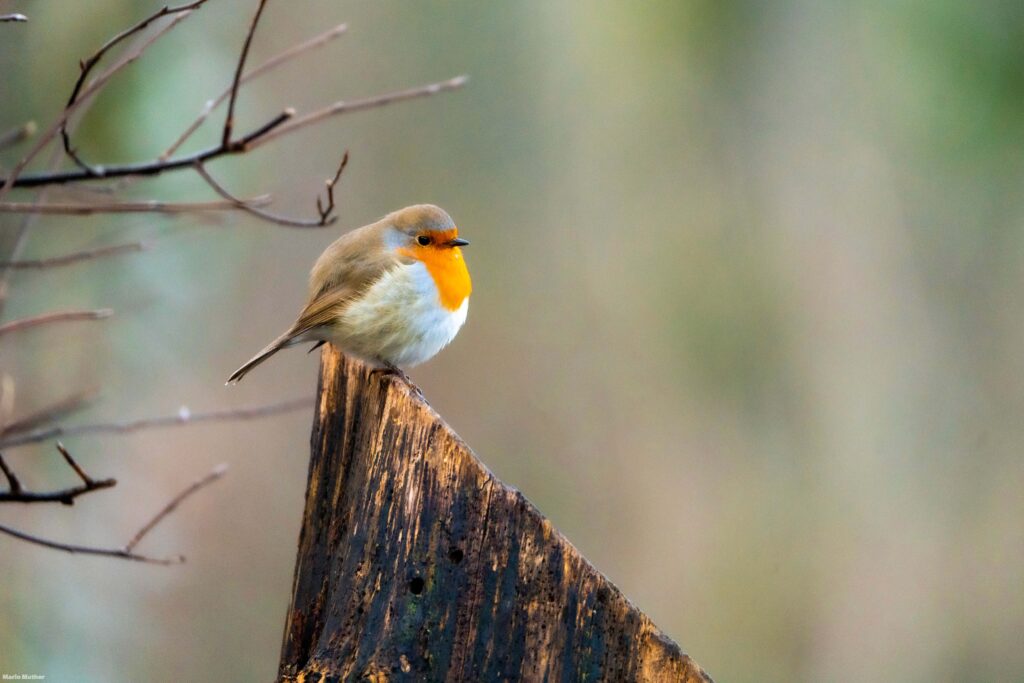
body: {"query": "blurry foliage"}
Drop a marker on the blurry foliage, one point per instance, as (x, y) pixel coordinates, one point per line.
(746, 321)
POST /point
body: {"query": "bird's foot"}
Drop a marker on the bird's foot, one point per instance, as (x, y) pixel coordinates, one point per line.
(398, 373)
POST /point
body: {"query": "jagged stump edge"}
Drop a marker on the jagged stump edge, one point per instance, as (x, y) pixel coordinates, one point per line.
(416, 563)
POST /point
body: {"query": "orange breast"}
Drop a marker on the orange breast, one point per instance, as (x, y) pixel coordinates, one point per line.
(448, 268)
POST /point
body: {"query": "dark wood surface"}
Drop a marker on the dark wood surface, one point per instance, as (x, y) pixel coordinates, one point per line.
(416, 564)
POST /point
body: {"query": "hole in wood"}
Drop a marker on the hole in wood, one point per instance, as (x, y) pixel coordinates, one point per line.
(455, 555)
(416, 586)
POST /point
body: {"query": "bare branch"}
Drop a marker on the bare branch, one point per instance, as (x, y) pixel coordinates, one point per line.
(265, 215)
(13, 17)
(150, 206)
(326, 211)
(86, 479)
(12, 481)
(157, 167)
(87, 66)
(63, 496)
(213, 476)
(58, 316)
(344, 107)
(21, 232)
(183, 417)
(17, 134)
(12, 179)
(229, 120)
(48, 413)
(127, 552)
(18, 494)
(89, 550)
(270, 64)
(76, 256)
(269, 131)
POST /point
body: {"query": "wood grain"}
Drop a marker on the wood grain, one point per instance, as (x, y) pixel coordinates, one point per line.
(416, 564)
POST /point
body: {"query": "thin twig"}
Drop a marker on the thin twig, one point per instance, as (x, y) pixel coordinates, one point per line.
(27, 221)
(89, 550)
(265, 215)
(326, 211)
(344, 107)
(183, 417)
(86, 479)
(63, 496)
(56, 317)
(76, 256)
(18, 494)
(150, 206)
(270, 64)
(229, 120)
(148, 168)
(17, 134)
(127, 552)
(213, 476)
(12, 481)
(269, 131)
(12, 178)
(87, 66)
(49, 413)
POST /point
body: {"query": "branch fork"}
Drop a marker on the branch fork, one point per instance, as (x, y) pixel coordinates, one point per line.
(40, 426)
(16, 493)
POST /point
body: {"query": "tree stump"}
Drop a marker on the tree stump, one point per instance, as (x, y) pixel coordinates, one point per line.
(416, 564)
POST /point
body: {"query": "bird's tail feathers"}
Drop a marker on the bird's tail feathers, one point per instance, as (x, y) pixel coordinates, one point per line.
(289, 338)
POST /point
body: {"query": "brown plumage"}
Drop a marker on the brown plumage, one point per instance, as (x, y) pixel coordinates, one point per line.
(383, 292)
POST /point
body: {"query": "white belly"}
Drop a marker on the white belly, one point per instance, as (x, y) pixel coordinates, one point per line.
(399, 320)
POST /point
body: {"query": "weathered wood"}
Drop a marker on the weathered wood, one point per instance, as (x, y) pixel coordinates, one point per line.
(416, 564)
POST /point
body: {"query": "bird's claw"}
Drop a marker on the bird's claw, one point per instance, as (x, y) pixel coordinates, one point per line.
(398, 373)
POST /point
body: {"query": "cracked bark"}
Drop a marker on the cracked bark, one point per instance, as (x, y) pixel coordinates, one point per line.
(416, 564)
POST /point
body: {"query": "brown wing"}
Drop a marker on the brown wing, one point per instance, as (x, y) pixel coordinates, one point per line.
(345, 269)
(351, 263)
(322, 310)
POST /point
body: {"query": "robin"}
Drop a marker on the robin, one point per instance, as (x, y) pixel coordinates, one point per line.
(392, 293)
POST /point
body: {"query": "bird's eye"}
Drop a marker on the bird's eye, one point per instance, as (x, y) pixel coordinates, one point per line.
(423, 240)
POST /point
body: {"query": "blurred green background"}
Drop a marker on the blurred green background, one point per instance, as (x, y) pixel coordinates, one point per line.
(747, 320)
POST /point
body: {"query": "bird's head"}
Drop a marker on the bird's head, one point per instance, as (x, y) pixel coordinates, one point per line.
(426, 233)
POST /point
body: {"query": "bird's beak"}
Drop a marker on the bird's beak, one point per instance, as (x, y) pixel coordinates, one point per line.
(457, 242)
